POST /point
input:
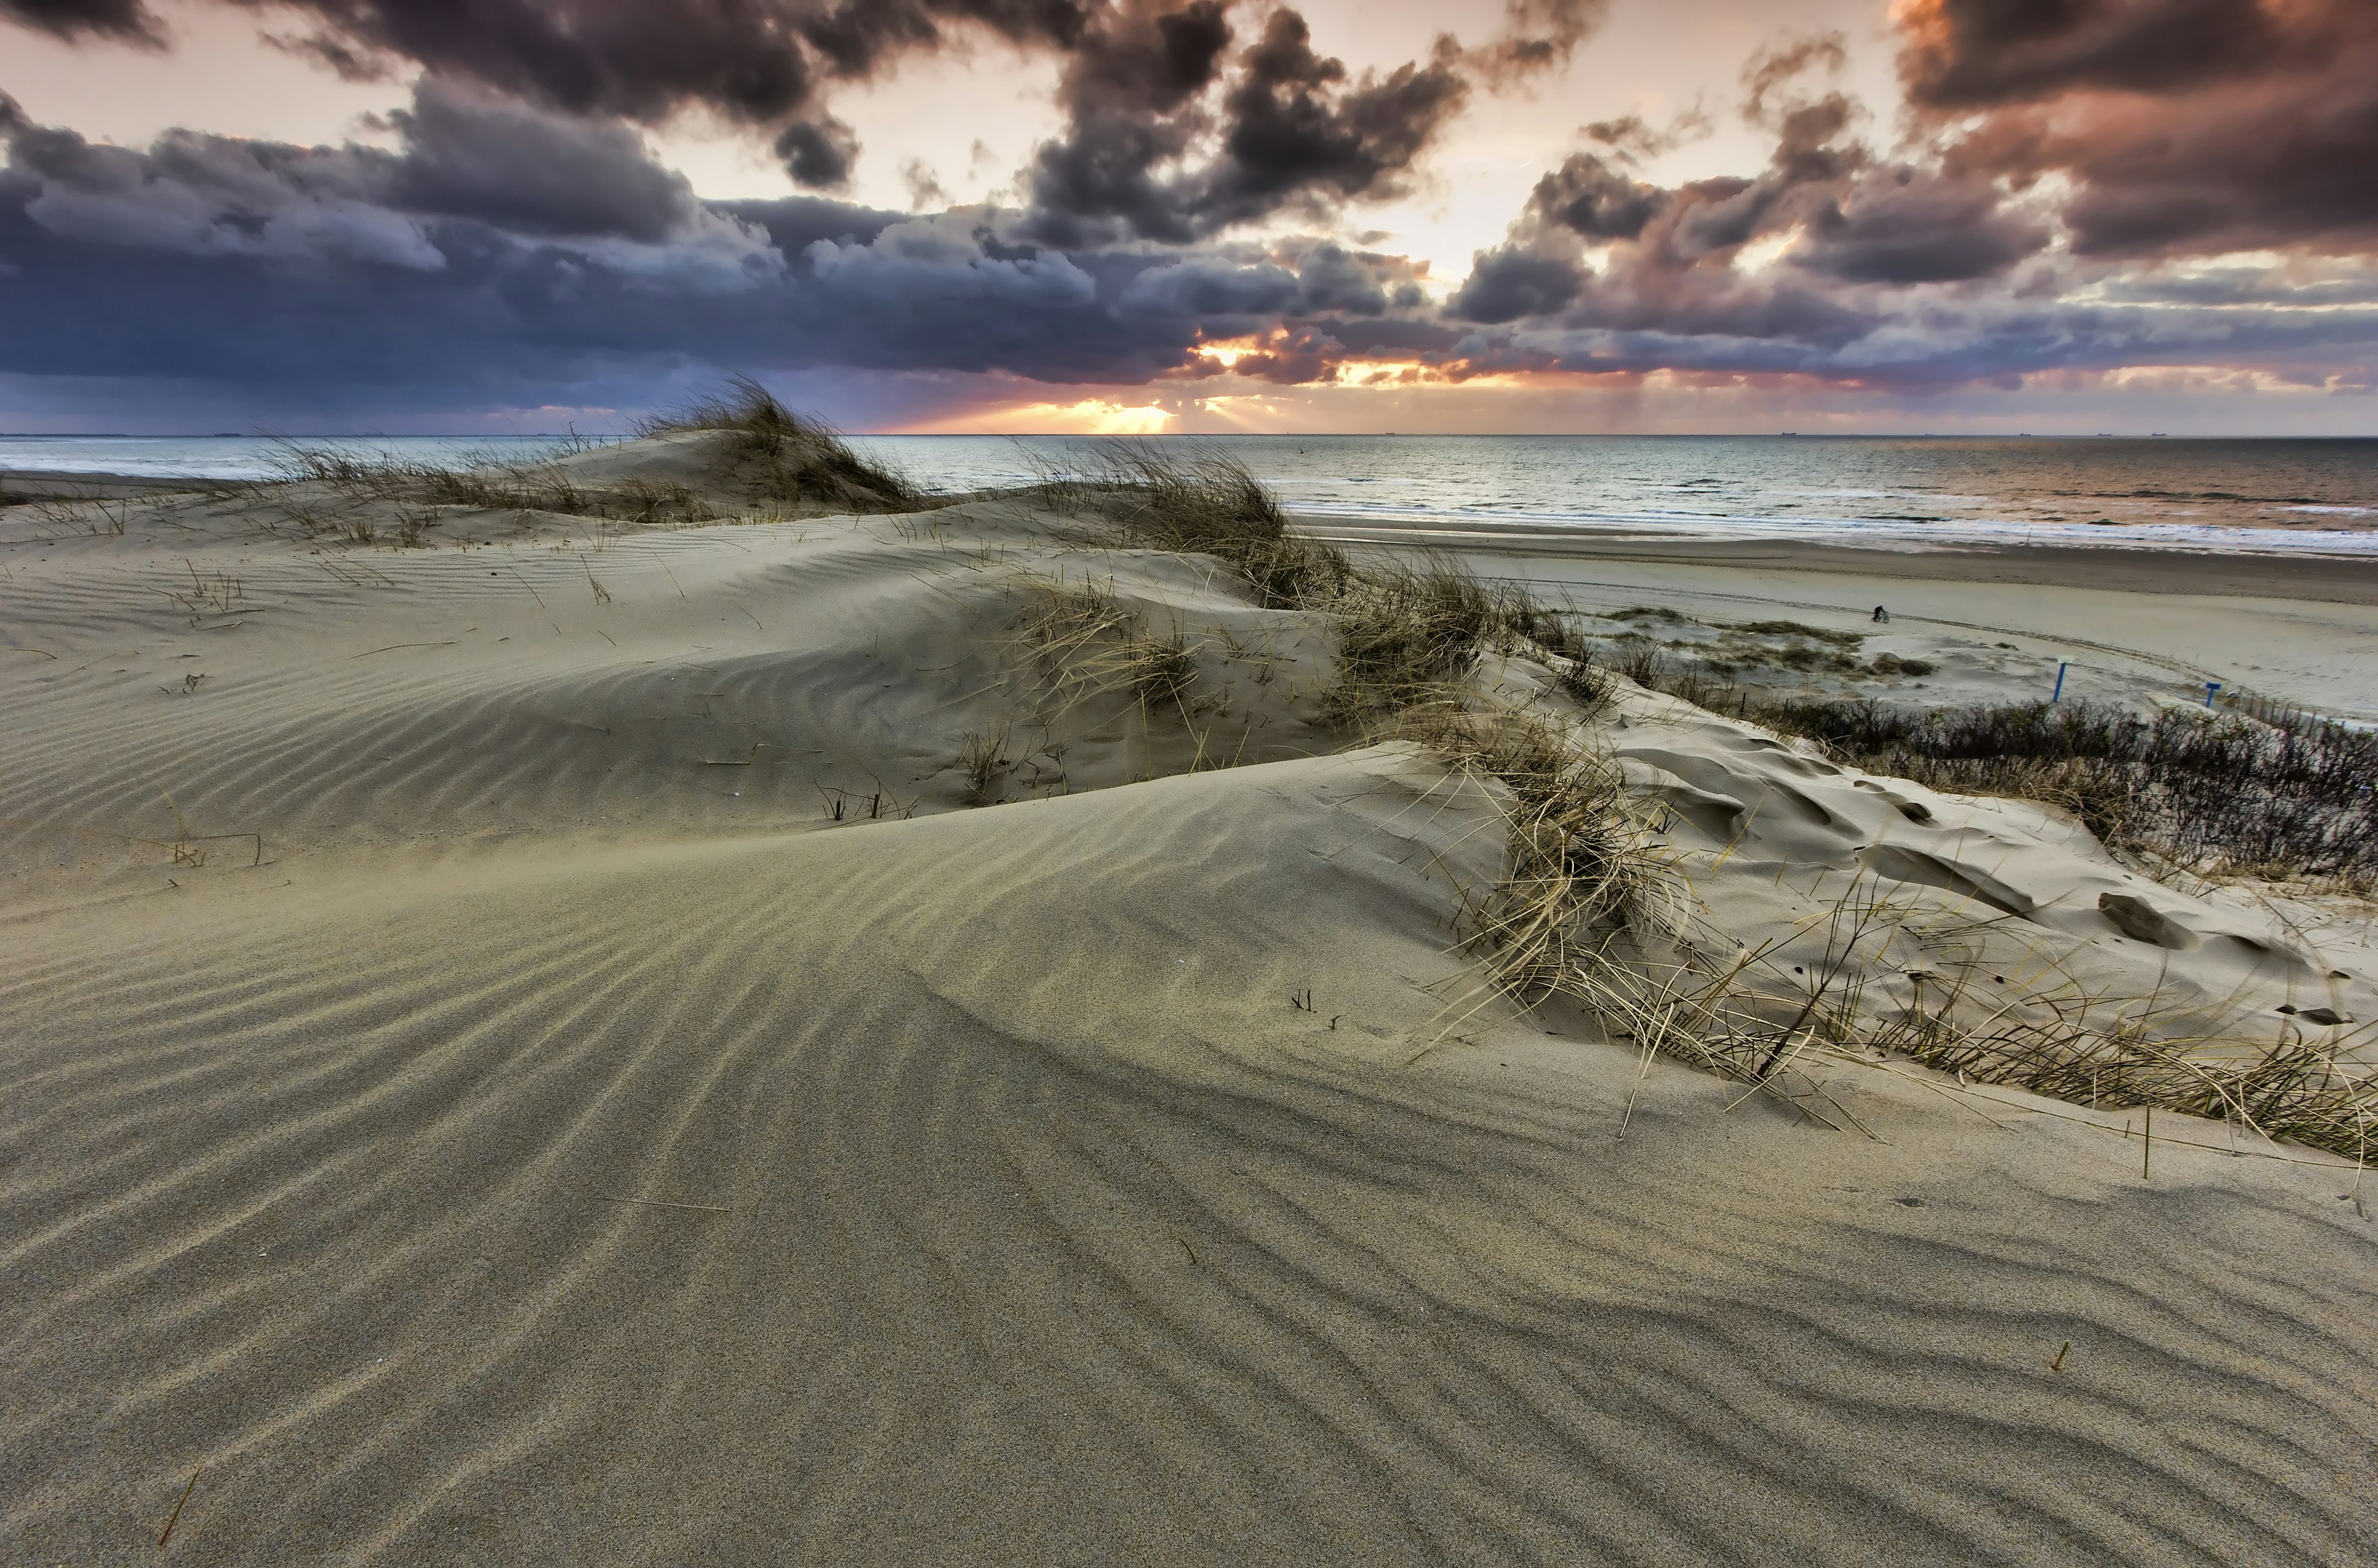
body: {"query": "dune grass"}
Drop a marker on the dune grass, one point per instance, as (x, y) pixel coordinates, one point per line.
(1197, 501)
(790, 459)
(984, 763)
(2210, 793)
(2283, 796)
(1087, 644)
(327, 493)
(1682, 987)
(1593, 908)
(774, 456)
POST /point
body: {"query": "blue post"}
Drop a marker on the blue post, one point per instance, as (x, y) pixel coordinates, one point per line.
(2210, 688)
(2062, 666)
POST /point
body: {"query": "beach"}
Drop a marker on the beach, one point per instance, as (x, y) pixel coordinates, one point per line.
(786, 1032)
(2305, 626)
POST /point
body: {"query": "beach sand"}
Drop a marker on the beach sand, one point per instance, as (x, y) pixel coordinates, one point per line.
(2134, 622)
(541, 1052)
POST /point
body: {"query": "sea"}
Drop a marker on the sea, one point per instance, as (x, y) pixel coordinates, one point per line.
(2263, 495)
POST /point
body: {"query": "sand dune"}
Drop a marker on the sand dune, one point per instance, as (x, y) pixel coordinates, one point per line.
(574, 1143)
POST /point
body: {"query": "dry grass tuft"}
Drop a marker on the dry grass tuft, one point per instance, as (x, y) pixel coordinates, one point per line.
(1200, 501)
(2118, 1056)
(319, 488)
(790, 459)
(2215, 795)
(64, 515)
(983, 759)
(1086, 646)
(1404, 633)
(1583, 857)
(1592, 911)
(1160, 669)
(216, 591)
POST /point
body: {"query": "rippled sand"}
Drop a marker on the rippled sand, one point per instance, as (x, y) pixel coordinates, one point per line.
(573, 1144)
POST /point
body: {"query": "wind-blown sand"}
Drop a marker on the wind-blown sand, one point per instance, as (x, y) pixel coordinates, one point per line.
(554, 1137)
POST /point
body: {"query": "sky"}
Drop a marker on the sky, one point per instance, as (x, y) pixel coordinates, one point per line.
(1206, 216)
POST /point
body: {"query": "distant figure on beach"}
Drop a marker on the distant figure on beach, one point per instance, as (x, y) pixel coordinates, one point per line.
(1882, 614)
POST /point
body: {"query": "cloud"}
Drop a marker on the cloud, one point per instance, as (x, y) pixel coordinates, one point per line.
(1508, 284)
(1230, 294)
(1293, 125)
(1979, 54)
(759, 62)
(126, 21)
(1152, 82)
(1178, 127)
(1771, 70)
(2183, 127)
(215, 195)
(1951, 262)
(2043, 215)
(1132, 91)
(1666, 255)
(475, 155)
(1538, 35)
(819, 152)
(1902, 225)
(465, 154)
(455, 260)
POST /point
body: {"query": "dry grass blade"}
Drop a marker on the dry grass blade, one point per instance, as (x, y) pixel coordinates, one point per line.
(1088, 645)
(788, 458)
(1159, 669)
(1199, 501)
(418, 492)
(983, 758)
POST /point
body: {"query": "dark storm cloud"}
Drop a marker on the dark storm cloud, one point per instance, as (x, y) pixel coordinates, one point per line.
(1978, 54)
(519, 241)
(761, 63)
(793, 223)
(1230, 294)
(1293, 124)
(450, 263)
(1902, 225)
(1667, 254)
(467, 261)
(1131, 92)
(1137, 84)
(1292, 127)
(818, 154)
(756, 61)
(1508, 284)
(124, 20)
(464, 154)
(1588, 196)
(2184, 126)
(1332, 279)
(1640, 272)
(1598, 197)
(493, 158)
